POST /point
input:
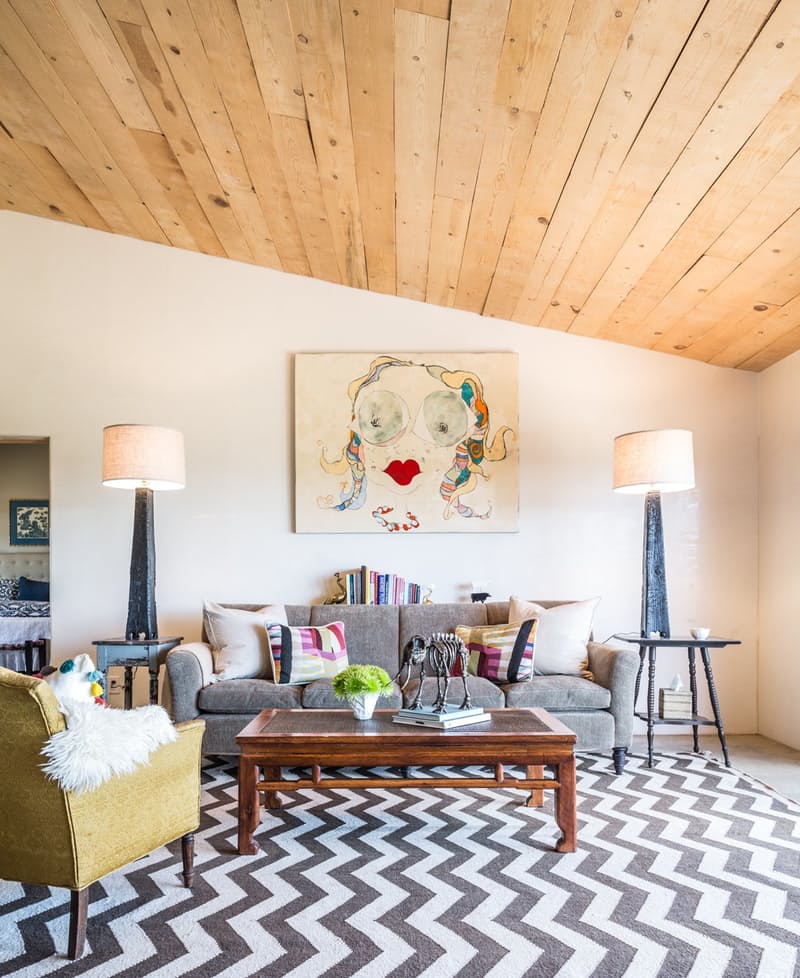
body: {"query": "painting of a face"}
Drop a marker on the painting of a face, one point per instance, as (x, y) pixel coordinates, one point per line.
(409, 423)
(406, 443)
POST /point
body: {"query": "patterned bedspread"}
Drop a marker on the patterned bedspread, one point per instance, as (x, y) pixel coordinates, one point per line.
(23, 621)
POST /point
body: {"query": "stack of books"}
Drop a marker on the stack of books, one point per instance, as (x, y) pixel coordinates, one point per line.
(675, 704)
(367, 586)
(452, 717)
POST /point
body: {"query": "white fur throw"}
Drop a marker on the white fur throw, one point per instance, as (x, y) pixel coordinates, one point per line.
(100, 743)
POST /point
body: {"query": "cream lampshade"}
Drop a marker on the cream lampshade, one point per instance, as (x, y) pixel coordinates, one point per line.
(144, 458)
(649, 463)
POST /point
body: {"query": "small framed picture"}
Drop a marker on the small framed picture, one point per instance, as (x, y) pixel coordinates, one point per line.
(30, 522)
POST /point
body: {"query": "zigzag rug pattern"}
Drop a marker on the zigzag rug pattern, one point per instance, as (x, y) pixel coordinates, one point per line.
(689, 869)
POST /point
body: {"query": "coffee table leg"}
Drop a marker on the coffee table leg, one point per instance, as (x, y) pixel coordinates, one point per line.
(271, 798)
(536, 798)
(566, 805)
(249, 814)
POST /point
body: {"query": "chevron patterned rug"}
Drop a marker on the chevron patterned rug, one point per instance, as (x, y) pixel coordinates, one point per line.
(689, 869)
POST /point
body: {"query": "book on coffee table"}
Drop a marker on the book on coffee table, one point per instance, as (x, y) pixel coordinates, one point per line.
(449, 713)
(444, 724)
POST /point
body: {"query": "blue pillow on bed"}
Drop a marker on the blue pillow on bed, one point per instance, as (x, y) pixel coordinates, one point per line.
(33, 590)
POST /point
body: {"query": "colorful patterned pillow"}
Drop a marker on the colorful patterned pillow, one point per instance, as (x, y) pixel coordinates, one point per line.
(501, 653)
(302, 654)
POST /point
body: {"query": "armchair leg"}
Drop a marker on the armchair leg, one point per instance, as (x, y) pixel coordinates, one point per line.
(619, 759)
(187, 849)
(78, 912)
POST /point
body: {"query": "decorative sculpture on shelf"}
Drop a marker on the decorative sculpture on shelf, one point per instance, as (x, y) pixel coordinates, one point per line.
(440, 652)
(341, 597)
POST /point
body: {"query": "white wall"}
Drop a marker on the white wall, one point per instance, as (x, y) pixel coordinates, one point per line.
(118, 330)
(779, 557)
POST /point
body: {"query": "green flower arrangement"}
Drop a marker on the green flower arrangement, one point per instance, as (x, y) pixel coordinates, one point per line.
(357, 680)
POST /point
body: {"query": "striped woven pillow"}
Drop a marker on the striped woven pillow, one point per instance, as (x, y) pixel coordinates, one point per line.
(501, 653)
(302, 654)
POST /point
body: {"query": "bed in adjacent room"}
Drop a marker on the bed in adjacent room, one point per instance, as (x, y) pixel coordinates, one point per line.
(24, 610)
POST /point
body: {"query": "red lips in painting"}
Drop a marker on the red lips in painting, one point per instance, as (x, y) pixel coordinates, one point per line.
(402, 472)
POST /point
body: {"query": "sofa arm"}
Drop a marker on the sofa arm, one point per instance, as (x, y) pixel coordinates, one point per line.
(190, 667)
(616, 668)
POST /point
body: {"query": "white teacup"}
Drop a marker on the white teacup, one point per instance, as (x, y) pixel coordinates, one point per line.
(700, 633)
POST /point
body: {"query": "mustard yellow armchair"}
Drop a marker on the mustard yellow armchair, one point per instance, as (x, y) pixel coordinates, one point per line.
(57, 838)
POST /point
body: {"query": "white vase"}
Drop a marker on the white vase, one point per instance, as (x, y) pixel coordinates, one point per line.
(363, 704)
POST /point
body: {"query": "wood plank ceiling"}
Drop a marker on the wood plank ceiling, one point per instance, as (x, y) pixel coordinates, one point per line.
(623, 169)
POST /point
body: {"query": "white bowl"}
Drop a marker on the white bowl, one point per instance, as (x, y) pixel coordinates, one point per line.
(700, 633)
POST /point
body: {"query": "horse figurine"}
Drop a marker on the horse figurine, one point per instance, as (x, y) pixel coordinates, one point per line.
(440, 652)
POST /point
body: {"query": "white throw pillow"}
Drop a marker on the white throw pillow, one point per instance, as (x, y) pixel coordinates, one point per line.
(239, 640)
(561, 636)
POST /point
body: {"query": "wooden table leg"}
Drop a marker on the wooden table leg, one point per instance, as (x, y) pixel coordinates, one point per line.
(651, 702)
(536, 798)
(712, 692)
(249, 814)
(693, 688)
(566, 805)
(271, 798)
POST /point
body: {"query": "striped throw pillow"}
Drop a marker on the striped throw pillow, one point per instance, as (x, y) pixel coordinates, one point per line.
(500, 653)
(302, 654)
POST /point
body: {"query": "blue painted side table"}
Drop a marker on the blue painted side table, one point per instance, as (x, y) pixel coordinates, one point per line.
(129, 653)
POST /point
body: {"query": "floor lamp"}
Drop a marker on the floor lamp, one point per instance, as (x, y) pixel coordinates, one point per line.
(144, 458)
(649, 463)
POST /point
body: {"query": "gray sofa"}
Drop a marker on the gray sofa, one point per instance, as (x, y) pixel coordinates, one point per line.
(599, 711)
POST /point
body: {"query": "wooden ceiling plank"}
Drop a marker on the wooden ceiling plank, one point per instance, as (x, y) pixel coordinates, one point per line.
(590, 46)
(720, 38)
(701, 279)
(714, 322)
(296, 153)
(27, 118)
(68, 195)
(155, 148)
(420, 50)
(767, 150)
(448, 233)
(317, 26)
(46, 82)
(22, 187)
(783, 345)
(657, 35)
(766, 72)
(758, 330)
(155, 79)
(430, 8)
(225, 43)
(531, 44)
(101, 49)
(57, 43)
(509, 135)
(762, 216)
(473, 53)
(368, 32)
(271, 42)
(175, 31)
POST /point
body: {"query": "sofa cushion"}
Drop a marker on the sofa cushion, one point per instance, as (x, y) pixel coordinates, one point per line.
(428, 619)
(562, 636)
(500, 653)
(371, 630)
(248, 696)
(319, 696)
(558, 693)
(482, 692)
(238, 639)
(307, 652)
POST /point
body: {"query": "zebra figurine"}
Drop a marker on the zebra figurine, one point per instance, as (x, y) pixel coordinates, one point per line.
(440, 652)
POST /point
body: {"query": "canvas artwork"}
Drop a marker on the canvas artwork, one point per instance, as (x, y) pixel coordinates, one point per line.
(406, 443)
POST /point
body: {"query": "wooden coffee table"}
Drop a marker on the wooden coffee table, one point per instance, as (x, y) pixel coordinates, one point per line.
(315, 739)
